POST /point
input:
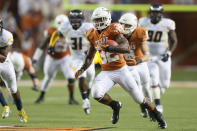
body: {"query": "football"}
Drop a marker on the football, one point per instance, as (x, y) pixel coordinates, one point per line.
(112, 43)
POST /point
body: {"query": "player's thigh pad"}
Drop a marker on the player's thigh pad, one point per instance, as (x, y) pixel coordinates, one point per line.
(154, 73)
(102, 84)
(165, 73)
(127, 82)
(143, 72)
(50, 66)
(135, 75)
(8, 75)
(69, 73)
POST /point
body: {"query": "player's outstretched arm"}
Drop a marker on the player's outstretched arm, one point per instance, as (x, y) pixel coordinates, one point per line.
(172, 40)
(88, 60)
(123, 45)
(146, 54)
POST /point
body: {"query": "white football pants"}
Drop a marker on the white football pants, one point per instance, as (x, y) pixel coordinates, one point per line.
(105, 80)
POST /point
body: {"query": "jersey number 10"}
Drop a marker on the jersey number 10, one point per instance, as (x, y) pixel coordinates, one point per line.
(154, 36)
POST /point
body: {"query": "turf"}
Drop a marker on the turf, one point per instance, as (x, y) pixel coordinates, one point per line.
(179, 111)
(177, 75)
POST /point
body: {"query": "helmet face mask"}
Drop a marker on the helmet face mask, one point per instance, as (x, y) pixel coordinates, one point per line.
(76, 19)
(156, 13)
(101, 18)
(129, 22)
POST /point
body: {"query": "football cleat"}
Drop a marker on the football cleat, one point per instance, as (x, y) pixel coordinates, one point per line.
(35, 88)
(86, 106)
(73, 102)
(6, 112)
(39, 100)
(161, 121)
(115, 114)
(22, 115)
(144, 112)
(152, 116)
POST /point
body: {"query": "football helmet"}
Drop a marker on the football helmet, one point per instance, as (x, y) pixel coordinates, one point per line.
(1, 26)
(101, 18)
(76, 18)
(59, 20)
(129, 21)
(156, 13)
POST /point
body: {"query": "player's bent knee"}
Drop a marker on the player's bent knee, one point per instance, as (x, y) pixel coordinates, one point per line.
(97, 94)
(71, 81)
(13, 90)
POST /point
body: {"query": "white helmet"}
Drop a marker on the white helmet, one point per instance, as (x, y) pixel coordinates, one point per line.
(60, 19)
(129, 19)
(103, 13)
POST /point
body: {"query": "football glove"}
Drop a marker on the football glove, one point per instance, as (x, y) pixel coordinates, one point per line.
(51, 50)
(166, 56)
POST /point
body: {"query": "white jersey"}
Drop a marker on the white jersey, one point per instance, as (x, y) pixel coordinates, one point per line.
(77, 40)
(6, 39)
(158, 34)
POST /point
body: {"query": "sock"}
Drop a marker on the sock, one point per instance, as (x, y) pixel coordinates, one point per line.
(88, 92)
(42, 94)
(157, 102)
(113, 104)
(70, 89)
(84, 95)
(2, 100)
(156, 94)
(18, 104)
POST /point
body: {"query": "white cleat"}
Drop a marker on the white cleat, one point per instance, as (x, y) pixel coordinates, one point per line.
(159, 108)
(86, 106)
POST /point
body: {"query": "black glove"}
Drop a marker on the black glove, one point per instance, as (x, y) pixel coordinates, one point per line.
(60, 34)
(166, 56)
(51, 50)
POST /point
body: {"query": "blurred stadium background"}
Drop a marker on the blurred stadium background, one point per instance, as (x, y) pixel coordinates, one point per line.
(27, 20)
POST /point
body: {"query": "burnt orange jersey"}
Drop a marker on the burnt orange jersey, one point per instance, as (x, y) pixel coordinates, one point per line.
(49, 31)
(135, 41)
(61, 49)
(109, 61)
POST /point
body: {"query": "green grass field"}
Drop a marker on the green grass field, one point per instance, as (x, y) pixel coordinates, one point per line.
(180, 111)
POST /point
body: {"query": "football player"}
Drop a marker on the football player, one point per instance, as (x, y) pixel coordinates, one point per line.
(114, 69)
(75, 35)
(136, 60)
(162, 41)
(22, 63)
(7, 72)
(57, 57)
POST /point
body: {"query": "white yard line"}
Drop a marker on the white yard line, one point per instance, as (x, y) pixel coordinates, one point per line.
(62, 83)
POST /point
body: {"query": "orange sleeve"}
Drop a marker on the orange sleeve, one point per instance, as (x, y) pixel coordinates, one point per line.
(89, 35)
(50, 31)
(141, 34)
(115, 29)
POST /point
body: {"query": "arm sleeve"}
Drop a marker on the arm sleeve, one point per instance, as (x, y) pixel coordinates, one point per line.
(171, 25)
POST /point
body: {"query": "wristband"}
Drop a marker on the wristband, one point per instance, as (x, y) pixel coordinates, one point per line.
(138, 61)
(110, 48)
(33, 76)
